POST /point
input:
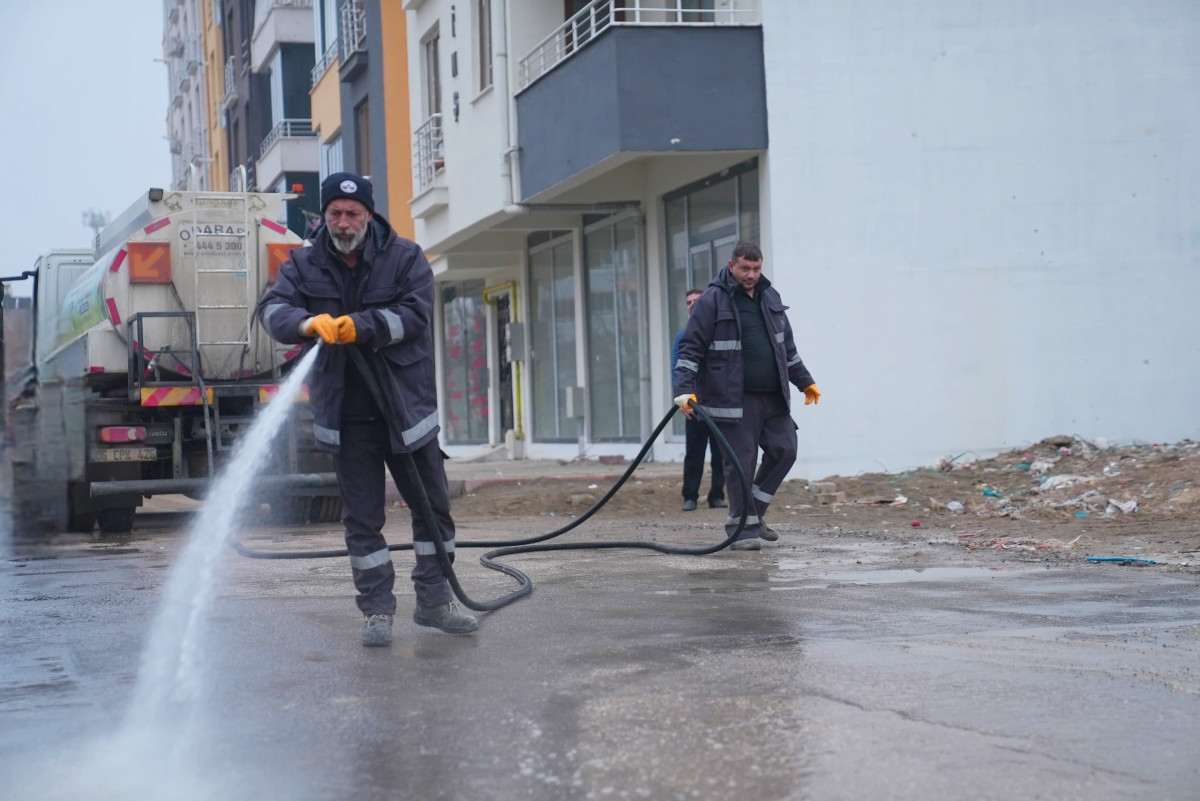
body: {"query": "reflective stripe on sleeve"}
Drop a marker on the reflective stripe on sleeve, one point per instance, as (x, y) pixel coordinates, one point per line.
(380, 557)
(794, 360)
(394, 323)
(420, 429)
(270, 311)
(688, 364)
(330, 436)
(430, 549)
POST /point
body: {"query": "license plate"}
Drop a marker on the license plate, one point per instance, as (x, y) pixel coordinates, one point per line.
(124, 455)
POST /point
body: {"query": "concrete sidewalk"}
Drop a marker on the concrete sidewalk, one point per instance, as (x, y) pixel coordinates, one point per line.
(466, 476)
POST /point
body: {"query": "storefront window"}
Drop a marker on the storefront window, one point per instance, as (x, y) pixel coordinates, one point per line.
(465, 366)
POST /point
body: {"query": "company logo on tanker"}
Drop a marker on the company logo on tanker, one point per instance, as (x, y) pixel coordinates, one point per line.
(214, 229)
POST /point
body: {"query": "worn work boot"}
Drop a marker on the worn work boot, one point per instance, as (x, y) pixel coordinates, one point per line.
(689, 505)
(446, 617)
(748, 544)
(717, 503)
(767, 533)
(377, 631)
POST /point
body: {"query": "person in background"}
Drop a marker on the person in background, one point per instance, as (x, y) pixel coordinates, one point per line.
(697, 438)
(737, 358)
(360, 285)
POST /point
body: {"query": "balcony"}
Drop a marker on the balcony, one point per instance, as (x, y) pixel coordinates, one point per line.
(600, 15)
(582, 91)
(429, 159)
(230, 95)
(324, 63)
(194, 53)
(279, 22)
(353, 38)
(291, 146)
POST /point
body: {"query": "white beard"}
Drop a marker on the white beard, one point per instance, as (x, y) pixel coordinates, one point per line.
(348, 246)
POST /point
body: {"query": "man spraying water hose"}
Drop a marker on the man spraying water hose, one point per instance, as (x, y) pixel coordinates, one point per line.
(360, 285)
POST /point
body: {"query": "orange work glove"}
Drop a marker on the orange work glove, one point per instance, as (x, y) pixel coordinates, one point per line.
(811, 394)
(345, 330)
(322, 326)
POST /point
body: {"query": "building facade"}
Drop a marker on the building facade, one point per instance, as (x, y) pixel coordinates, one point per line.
(187, 112)
(972, 226)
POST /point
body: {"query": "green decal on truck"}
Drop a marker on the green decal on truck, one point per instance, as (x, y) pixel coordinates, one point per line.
(83, 306)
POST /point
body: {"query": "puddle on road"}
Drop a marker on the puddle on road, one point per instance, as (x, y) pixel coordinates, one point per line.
(911, 575)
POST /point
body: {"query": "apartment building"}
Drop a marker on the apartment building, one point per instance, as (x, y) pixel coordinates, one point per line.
(187, 111)
(577, 168)
(214, 87)
(982, 216)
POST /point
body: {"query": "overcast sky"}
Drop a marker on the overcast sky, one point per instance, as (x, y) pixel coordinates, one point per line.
(84, 105)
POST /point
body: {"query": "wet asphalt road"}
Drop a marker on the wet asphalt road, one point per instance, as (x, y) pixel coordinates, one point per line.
(828, 668)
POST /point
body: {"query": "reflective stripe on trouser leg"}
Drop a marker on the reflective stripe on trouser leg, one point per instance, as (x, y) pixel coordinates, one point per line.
(429, 582)
(742, 436)
(777, 439)
(360, 471)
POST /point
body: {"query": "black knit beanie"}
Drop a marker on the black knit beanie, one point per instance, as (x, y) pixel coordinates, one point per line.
(347, 185)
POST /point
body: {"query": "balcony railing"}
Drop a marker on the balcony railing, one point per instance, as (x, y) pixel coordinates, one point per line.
(428, 153)
(599, 15)
(286, 129)
(325, 62)
(231, 78)
(353, 33)
(263, 9)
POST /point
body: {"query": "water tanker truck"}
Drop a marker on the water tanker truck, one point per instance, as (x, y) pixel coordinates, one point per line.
(147, 362)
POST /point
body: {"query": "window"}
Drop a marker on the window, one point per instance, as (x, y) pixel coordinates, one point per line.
(614, 296)
(704, 221)
(483, 42)
(465, 367)
(362, 137)
(552, 338)
(331, 158)
(433, 78)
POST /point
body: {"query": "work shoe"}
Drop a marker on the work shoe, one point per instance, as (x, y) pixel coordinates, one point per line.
(767, 533)
(748, 544)
(377, 631)
(719, 503)
(446, 617)
(689, 506)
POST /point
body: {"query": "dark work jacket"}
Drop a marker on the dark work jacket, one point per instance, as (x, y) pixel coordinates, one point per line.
(392, 313)
(711, 364)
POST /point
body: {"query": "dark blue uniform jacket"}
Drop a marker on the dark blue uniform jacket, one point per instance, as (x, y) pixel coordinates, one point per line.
(392, 311)
(710, 363)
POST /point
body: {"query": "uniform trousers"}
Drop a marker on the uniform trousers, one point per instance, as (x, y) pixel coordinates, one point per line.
(699, 439)
(360, 462)
(767, 425)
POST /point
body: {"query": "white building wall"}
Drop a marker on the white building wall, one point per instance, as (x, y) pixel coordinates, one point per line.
(985, 222)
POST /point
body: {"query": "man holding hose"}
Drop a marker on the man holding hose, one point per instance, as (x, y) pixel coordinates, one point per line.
(360, 285)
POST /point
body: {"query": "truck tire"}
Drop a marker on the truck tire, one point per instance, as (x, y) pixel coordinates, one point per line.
(117, 520)
(327, 509)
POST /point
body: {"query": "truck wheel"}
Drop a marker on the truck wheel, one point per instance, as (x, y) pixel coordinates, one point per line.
(290, 511)
(117, 520)
(81, 522)
(326, 509)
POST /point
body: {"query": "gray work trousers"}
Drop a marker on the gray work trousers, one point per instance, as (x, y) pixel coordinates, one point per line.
(765, 424)
(360, 462)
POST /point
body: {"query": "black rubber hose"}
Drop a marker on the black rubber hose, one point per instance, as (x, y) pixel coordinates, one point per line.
(530, 544)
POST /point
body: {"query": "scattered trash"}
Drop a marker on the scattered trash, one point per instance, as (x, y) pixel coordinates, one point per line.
(593, 486)
(916, 524)
(1040, 466)
(899, 501)
(955, 506)
(1125, 507)
(1060, 481)
(1136, 559)
(1064, 451)
(1082, 514)
(991, 493)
